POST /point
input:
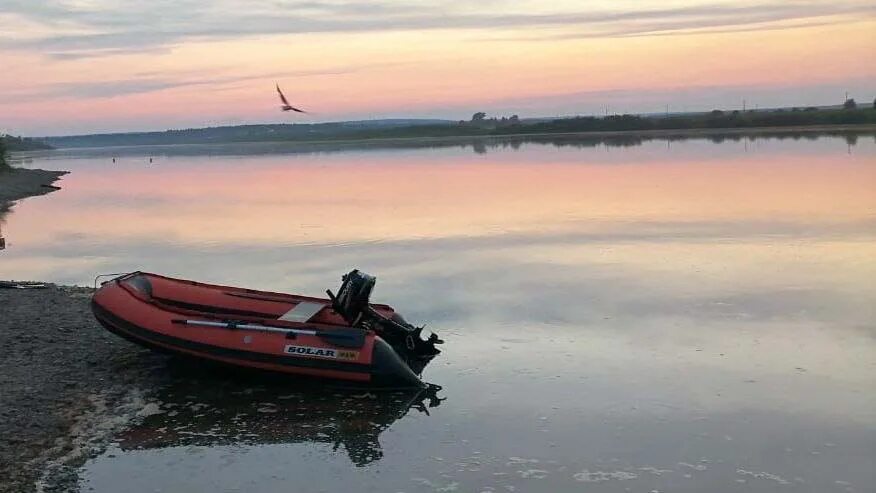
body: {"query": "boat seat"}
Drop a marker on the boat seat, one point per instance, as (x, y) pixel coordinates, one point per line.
(302, 312)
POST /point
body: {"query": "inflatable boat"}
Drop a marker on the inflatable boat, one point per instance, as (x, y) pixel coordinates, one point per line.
(342, 337)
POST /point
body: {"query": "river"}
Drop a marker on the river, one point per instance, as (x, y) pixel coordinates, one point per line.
(671, 316)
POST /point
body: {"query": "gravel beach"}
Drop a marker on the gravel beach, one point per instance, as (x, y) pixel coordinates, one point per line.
(61, 380)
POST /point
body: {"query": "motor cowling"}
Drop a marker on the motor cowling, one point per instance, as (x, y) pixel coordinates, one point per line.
(353, 296)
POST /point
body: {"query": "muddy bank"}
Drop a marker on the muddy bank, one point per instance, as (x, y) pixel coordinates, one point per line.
(65, 385)
(19, 183)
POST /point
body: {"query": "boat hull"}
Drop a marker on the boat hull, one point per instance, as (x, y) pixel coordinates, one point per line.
(124, 307)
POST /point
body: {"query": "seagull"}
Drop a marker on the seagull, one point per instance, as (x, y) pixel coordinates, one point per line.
(286, 106)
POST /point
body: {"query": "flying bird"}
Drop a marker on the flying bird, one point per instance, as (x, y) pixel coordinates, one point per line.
(286, 106)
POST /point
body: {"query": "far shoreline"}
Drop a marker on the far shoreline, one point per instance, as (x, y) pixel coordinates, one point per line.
(692, 133)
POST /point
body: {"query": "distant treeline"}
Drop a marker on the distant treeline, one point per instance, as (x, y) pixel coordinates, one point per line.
(12, 143)
(239, 133)
(9, 143)
(479, 125)
(711, 120)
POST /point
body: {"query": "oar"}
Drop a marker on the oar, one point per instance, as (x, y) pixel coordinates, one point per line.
(343, 337)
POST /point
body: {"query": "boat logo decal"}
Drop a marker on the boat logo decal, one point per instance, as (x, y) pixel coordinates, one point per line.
(321, 352)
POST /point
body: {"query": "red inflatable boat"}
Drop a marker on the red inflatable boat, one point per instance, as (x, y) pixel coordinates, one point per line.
(343, 337)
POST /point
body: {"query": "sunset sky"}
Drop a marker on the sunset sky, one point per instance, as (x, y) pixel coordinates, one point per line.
(82, 66)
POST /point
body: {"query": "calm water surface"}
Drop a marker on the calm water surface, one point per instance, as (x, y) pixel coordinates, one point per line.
(674, 317)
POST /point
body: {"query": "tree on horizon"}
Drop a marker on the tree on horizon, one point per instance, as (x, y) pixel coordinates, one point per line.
(3, 163)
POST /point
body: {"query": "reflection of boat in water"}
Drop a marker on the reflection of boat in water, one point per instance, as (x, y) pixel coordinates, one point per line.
(215, 413)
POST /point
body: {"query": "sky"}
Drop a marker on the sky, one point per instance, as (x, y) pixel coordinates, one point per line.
(86, 66)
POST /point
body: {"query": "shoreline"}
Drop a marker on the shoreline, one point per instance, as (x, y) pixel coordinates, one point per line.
(692, 133)
(55, 397)
(20, 183)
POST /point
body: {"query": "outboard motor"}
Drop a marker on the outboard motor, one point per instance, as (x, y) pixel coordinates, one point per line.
(352, 303)
(352, 299)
